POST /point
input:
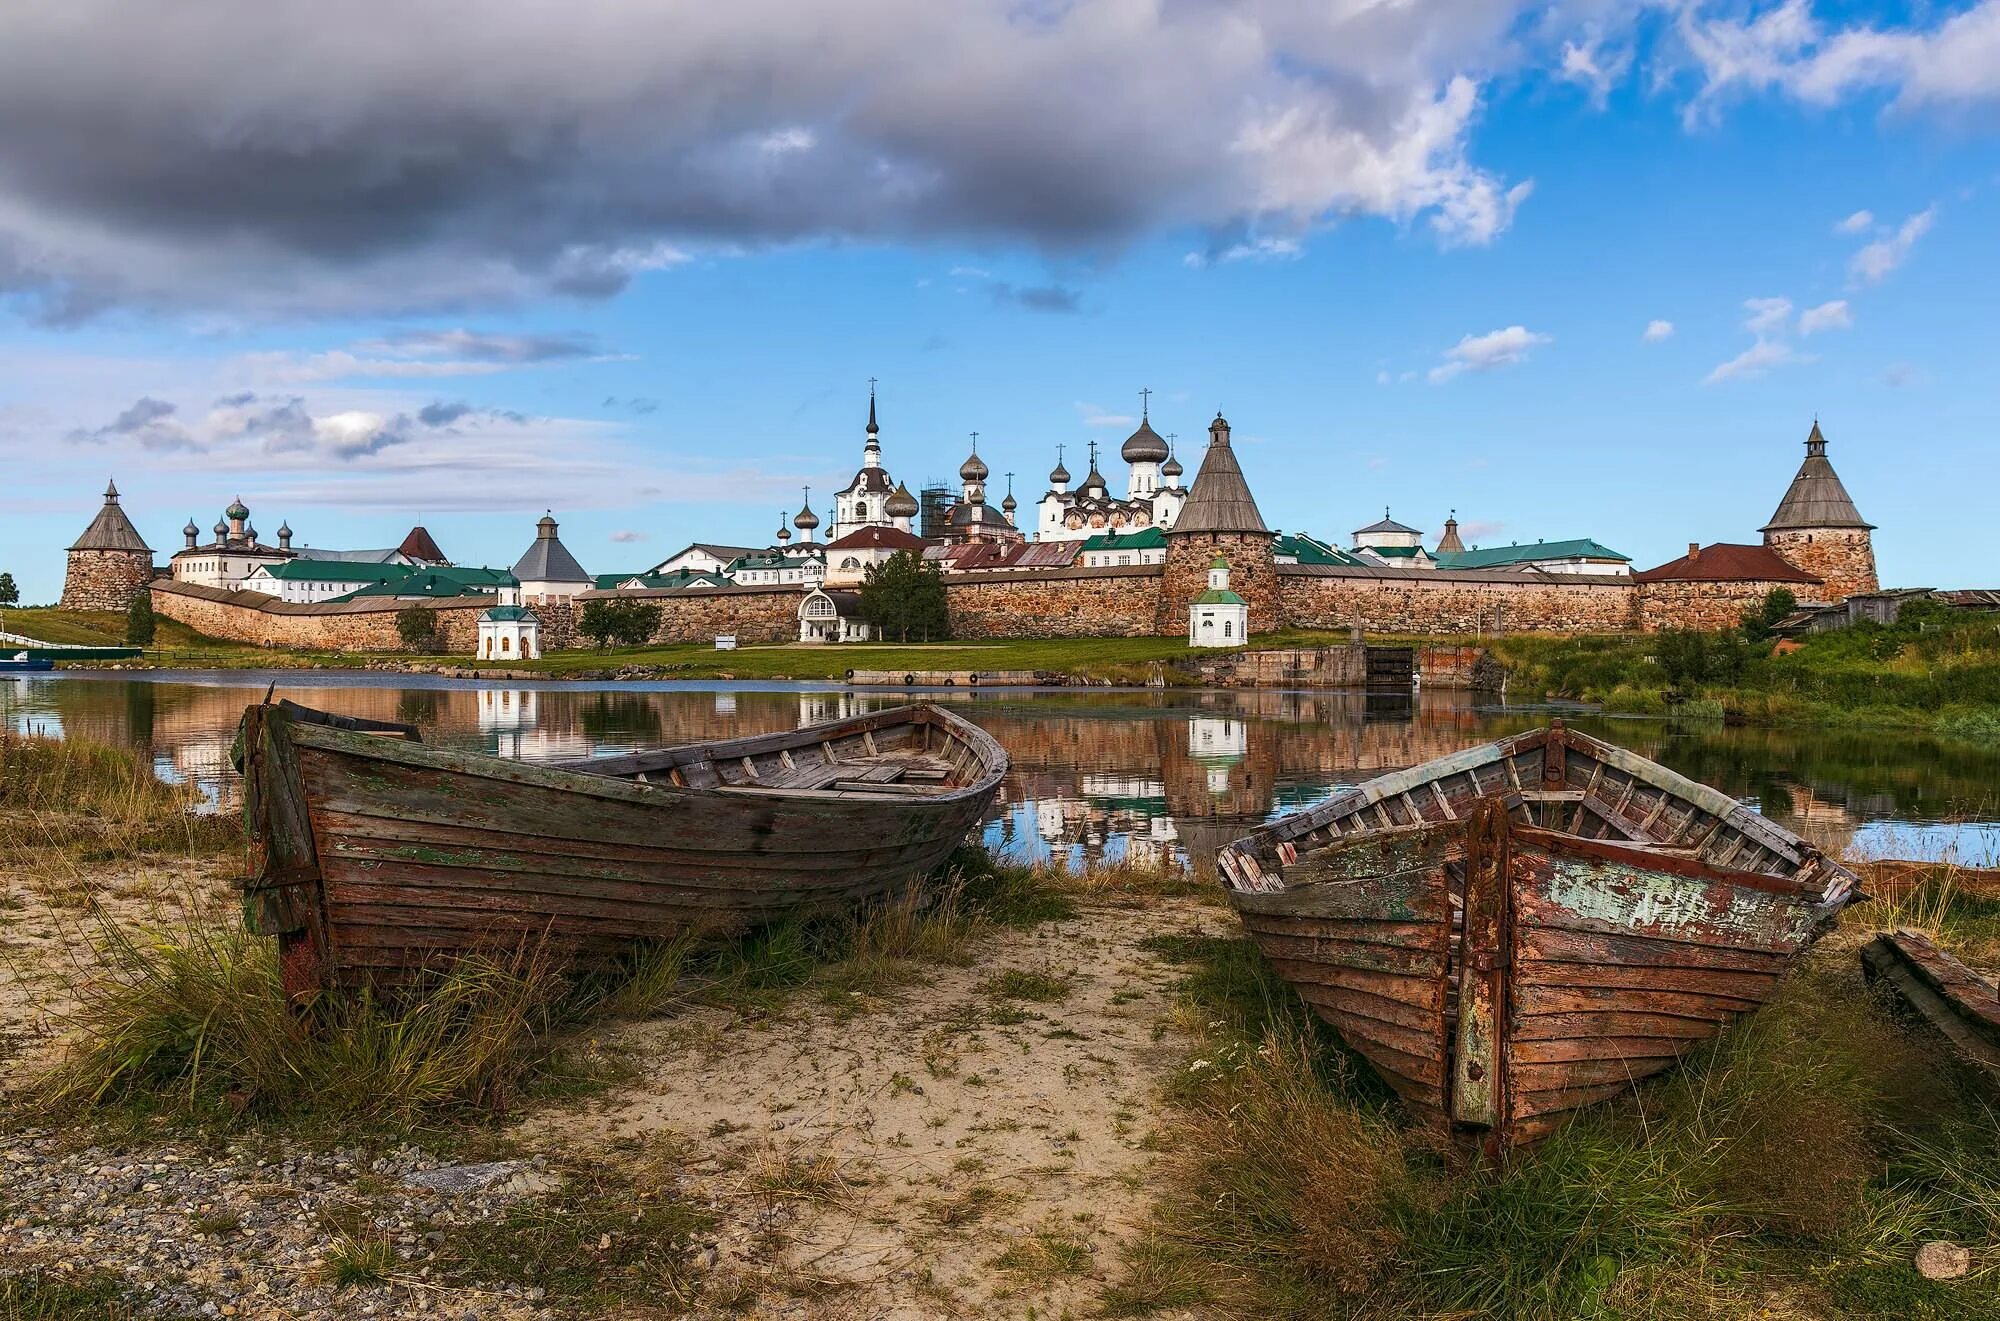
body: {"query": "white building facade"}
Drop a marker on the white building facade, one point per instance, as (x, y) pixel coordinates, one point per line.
(1218, 617)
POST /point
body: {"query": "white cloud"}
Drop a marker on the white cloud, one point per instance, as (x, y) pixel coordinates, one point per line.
(1476, 530)
(1592, 66)
(1766, 314)
(1094, 416)
(1478, 353)
(1827, 316)
(1786, 49)
(1858, 223)
(1657, 330)
(625, 536)
(1755, 361)
(1769, 320)
(1266, 248)
(1873, 263)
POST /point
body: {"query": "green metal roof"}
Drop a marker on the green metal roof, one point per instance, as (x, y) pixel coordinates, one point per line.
(336, 571)
(1221, 596)
(1492, 557)
(1146, 538)
(508, 613)
(1308, 550)
(1396, 552)
(429, 583)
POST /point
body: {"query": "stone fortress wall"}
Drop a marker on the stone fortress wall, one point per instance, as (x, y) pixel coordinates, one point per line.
(1067, 603)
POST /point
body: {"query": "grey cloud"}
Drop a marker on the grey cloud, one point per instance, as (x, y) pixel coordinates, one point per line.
(384, 156)
(639, 405)
(479, 346)
(1038, 298)
(149, 422)
(142, 414)
(442, 414)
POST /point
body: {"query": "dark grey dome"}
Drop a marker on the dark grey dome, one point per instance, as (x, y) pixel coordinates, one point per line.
(1145, 445)
(901, 504)
(973, 469)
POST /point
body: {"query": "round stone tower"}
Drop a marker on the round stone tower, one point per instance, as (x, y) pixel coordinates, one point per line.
(1220, 518)
(110, 563)
(1818, 529)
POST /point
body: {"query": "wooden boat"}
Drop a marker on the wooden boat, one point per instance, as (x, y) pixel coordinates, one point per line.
(1522, 928)
(375, 854)
(1960, 1004)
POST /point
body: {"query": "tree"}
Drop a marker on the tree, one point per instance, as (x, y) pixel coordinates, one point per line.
(140, 622)
(904, 597)
(627, 623)
(417, 627)
(1759, 620)
(9, 593)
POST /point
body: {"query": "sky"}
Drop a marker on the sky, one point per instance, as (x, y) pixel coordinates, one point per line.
(1583, 270)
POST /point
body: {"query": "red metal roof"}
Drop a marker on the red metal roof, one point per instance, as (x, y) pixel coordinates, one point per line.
(878, 537)
(419, 546)
(1727, 562)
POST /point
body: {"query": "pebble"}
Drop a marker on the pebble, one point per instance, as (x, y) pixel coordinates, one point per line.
(135, 1213)
(1940, 1260)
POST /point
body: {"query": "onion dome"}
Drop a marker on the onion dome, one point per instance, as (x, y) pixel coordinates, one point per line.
(805, 520)
(221, 528)
(1172, 467)
(1059, 474)
(285, 528)
(190, 530)
(1010, 504)
(1144, 445)
(901, 503)
(973, 469)
(250, 531)
(237, 509)
(784, 533)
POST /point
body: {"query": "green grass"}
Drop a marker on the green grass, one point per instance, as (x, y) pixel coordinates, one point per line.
(1794, 1164)
(1938, 671)
(87, 1295)
(96, 628)
(610, 1238)
(357, 1261)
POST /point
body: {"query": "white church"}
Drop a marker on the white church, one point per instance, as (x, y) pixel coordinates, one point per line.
(1153, 491)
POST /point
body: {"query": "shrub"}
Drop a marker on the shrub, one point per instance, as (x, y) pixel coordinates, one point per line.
(417, 627)
(140, 622)
(904, 597)
(626, 623)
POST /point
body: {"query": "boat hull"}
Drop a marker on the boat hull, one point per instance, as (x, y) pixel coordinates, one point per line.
(1500, 974)
(380, 857)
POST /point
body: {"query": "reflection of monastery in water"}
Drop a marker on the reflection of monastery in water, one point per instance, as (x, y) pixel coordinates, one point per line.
(1097, 775)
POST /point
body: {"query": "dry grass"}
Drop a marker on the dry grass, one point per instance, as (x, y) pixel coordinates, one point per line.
(189, 1019)
(1789, 1169)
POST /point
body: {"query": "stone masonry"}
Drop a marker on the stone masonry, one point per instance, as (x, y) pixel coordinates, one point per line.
(105, 579)
(1842, 558)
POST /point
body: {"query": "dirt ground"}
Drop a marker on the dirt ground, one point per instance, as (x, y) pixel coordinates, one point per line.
(975, 1147)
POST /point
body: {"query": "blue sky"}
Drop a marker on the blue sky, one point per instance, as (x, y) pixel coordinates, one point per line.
(1415, 260)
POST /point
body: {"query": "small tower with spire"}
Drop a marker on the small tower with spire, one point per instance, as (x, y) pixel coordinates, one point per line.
(1449, 544)
(110, 563)
(1818, 530)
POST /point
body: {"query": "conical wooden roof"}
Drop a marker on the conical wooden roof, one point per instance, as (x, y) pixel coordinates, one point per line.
(1816, 497)
(111, 530)
(1220, 500)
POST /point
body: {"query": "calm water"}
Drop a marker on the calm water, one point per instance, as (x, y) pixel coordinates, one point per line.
(1096, 773)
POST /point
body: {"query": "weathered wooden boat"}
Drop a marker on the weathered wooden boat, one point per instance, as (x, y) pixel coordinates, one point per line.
(1961, 1005)
(1525, 927)
(375, 854)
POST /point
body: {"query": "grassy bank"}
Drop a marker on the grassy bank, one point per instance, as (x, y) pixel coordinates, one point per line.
(1940, 673)
(1790, 1169)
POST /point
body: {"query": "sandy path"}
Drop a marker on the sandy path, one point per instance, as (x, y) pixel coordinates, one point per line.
(955, 1151)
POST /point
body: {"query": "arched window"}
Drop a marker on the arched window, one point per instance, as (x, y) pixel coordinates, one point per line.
(850, 563)
(506, 644)
(1226, 626)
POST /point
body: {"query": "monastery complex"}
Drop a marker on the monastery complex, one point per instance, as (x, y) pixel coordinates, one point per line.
(1154, 556)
